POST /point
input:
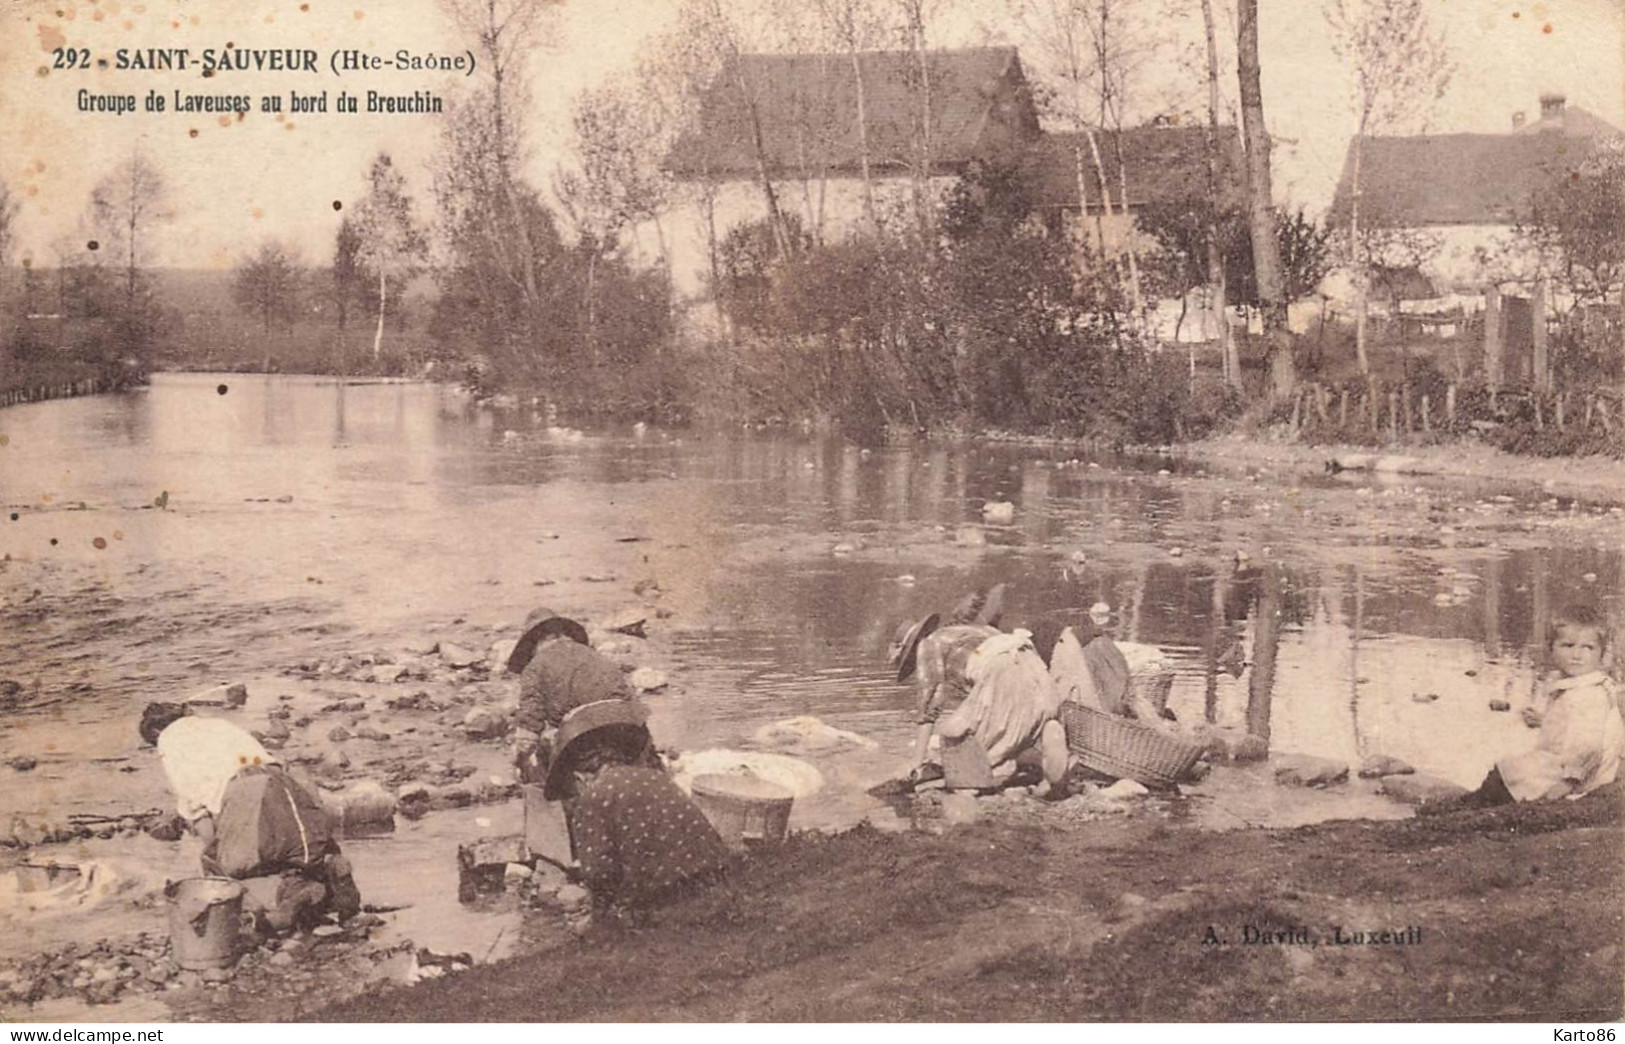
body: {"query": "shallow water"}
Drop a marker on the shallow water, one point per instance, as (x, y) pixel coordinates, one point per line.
(303, 518)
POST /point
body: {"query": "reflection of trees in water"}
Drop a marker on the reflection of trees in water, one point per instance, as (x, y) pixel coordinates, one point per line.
(1266, 642)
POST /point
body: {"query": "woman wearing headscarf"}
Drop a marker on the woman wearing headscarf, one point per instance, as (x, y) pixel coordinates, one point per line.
(637, 840)
(985, 707)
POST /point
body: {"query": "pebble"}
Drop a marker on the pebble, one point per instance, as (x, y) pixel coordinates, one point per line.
(970, 536)
(999, 511)
(1306, 770)
(458, 656)
(1500, 705)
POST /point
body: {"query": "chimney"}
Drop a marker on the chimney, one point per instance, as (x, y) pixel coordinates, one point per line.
(1551, 105)
(1518, 119)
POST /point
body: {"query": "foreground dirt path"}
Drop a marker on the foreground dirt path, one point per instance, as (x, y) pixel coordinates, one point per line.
(1519, 912)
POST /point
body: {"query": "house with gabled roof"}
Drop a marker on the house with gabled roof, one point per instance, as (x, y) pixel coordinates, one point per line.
(1469, 192)
(789, 124)
(796, 115)
(792, 121)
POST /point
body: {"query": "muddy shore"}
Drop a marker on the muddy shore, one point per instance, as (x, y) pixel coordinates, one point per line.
(1508, 914)
(1596, 477)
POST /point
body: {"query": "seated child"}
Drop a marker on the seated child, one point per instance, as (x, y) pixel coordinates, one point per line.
(1582, 736)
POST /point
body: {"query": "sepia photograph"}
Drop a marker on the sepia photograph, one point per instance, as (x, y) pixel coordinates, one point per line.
(812, 511)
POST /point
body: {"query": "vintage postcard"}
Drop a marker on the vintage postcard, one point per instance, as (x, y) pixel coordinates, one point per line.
(853, 510)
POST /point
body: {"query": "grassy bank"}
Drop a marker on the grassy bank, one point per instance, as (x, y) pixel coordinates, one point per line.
(1051, 919)
(32, 379)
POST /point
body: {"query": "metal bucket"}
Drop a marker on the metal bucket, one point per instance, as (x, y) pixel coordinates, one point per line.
(205, 919)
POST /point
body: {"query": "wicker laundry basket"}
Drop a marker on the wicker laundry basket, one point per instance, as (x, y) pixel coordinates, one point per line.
(1126, 748)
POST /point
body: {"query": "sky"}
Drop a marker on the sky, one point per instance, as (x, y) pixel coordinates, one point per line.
(235, 183)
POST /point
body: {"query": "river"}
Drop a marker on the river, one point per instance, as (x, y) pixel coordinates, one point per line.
(217, 528)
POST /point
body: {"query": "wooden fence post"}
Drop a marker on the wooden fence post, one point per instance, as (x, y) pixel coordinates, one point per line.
(1450, 406)
(1343, 408)
(1492, 338)
(1427, 421)
(1393, 414)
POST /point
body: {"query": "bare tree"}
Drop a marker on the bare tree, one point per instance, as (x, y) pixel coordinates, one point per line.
(718, 37)
(123, 207)
(9, 205)
(1401, 66)
(1261, 205)
(8, 240)
(1125, 39)
(392, 245)
(615, 181)
(1231, 360)
(674, 76)
(1077, 42)
(857, 26)
(916, 14)
(505, 33)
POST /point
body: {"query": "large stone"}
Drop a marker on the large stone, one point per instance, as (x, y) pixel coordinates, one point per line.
(1420, 789)
(648, 679)
(482, 723)
(1376, 766)
(497, 655)
(1250, 748)
(1124, 788)
(365, 807)
(236, 695)
(1306, 770)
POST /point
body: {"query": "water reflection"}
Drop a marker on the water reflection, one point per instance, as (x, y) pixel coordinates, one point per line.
(409, 506)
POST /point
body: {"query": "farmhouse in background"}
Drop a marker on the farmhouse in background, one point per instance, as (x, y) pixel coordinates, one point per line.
(1162, 163)
(1467, 192)
(791, 120)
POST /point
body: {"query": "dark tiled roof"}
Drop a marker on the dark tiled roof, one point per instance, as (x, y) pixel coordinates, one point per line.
(1405, 282)
(1456, 179)
(1162, 164)
(807, 104)
(1572, 121)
